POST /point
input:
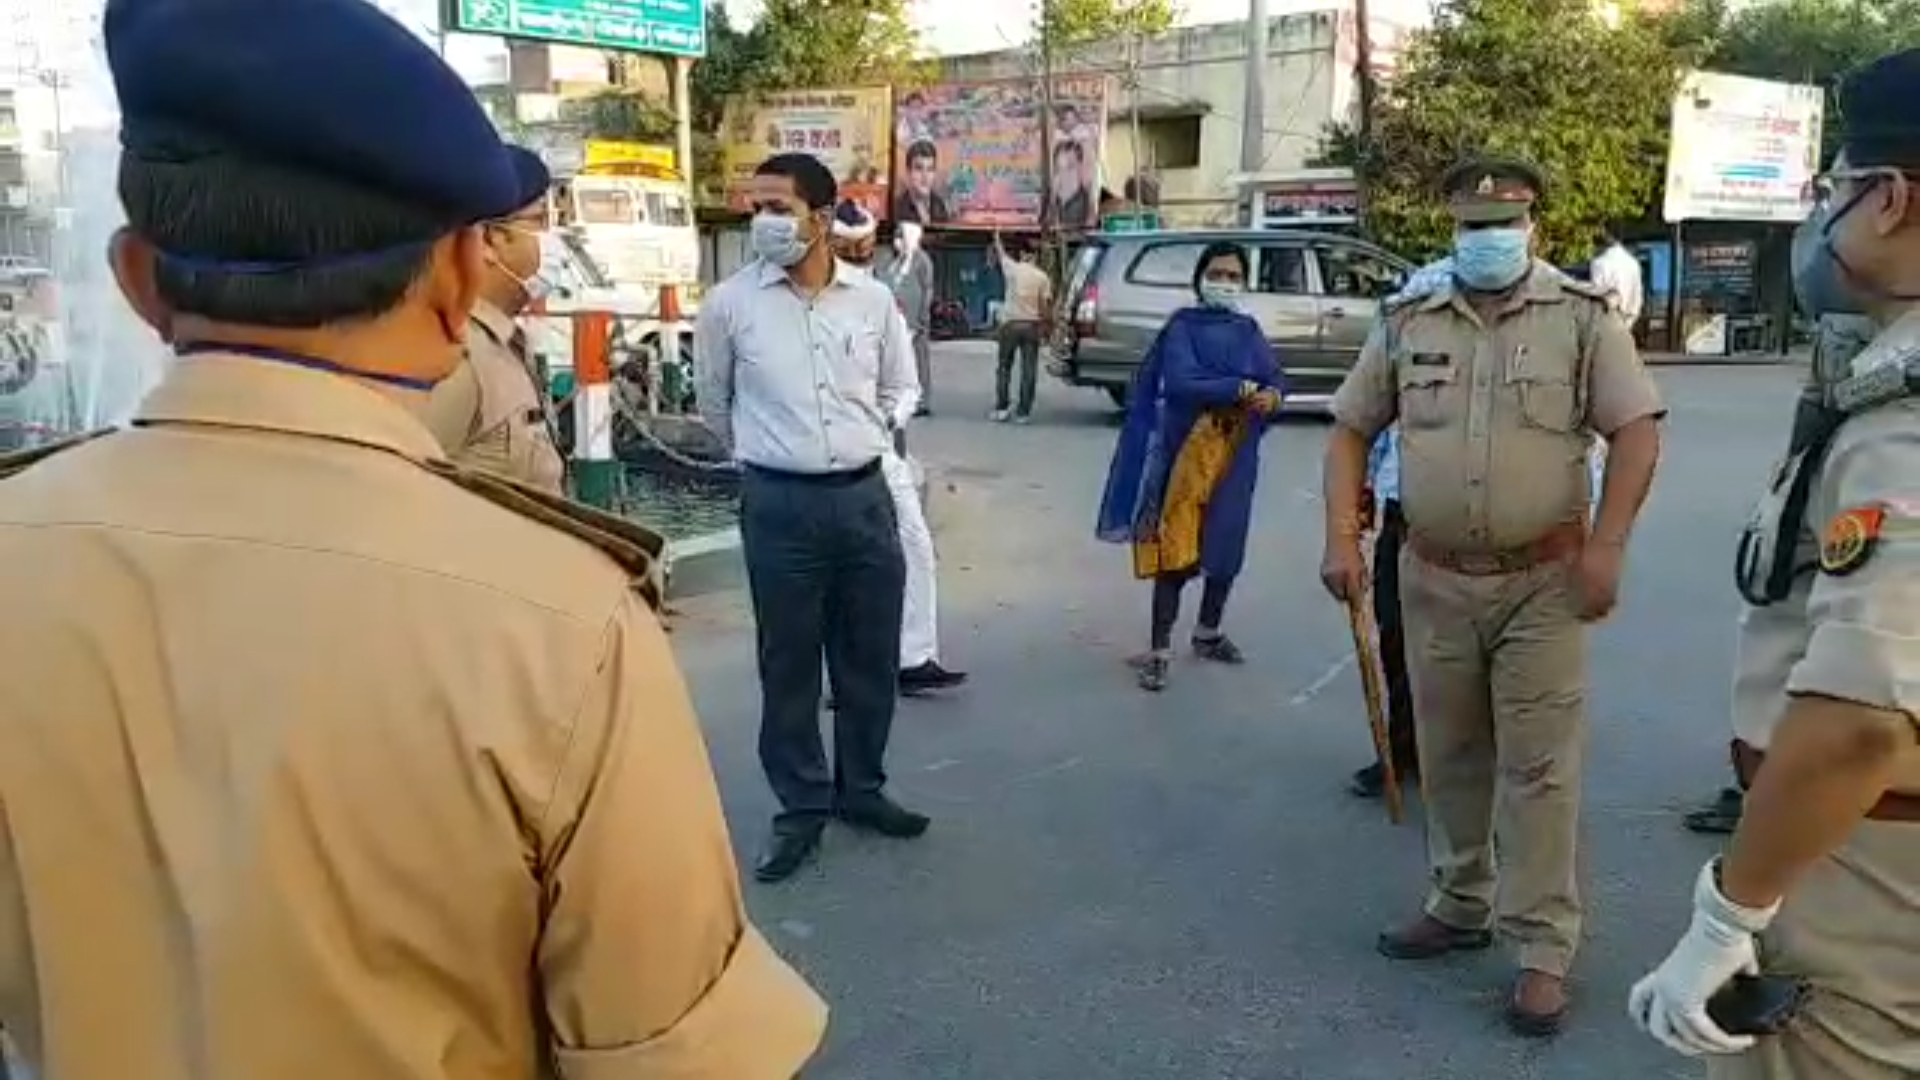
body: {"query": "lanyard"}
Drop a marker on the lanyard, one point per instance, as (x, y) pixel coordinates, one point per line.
(313, 363)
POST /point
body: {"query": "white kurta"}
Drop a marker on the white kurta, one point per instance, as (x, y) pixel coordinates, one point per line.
(919, 621)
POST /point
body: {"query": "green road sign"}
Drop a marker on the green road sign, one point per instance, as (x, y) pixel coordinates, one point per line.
(674, 27)
(1135, 221)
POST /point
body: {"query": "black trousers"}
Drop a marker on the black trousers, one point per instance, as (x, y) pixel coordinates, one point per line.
(1166, 605)
(827, 579)
(1393, 636)
(1021, 340)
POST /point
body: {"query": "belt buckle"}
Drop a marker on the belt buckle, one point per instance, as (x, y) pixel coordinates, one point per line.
(1480, 564)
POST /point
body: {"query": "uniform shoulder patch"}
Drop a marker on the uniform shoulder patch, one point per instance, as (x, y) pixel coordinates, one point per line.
(21, 460)
(638, 550)
(1850, 538)
(1586, 289)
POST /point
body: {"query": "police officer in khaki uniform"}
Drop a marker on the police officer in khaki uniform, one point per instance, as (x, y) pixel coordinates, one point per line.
(1822, 880)
(1499, 378)
(324, 758)
(492, 412)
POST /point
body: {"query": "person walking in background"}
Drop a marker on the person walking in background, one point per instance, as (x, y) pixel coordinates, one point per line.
(1025, 312)
(1618, 274)
(1180, 486)
(803, 364)
(1390, 532)
(324, 757)
(493, 412)
(910, 276)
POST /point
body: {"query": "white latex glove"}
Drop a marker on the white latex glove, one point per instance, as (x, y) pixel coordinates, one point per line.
(1671, 1003)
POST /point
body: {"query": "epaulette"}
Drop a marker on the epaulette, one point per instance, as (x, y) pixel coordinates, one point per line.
(1569, 283)
(1401, 301)
(637, 549)
(20, 461)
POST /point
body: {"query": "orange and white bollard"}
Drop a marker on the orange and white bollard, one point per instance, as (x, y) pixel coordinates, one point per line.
(596, 471)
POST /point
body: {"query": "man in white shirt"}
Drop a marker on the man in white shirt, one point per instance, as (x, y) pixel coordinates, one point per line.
(802, 364)
(1618, 272)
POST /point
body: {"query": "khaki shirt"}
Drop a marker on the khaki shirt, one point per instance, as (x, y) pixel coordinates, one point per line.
(491, 413)
(1496, 422)
(317, 765)
(1852, 635)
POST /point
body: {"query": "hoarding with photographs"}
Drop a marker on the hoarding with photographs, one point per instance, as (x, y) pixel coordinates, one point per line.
(970, 155)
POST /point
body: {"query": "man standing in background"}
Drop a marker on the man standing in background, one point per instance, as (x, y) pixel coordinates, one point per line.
(910, 276)
(1617, 273)
(1024, 311)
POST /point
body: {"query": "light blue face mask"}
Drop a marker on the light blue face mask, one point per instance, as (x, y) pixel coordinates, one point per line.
(1489, 260)
(1221, 295)
(776, 238)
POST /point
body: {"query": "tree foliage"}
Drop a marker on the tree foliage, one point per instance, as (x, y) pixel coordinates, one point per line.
(828, 43)
(1803, 41)
(1543, 80)
(623, 115)
(1066, 25)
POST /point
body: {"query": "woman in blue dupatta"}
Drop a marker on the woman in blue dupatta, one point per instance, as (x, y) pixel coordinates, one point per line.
(1180, 488)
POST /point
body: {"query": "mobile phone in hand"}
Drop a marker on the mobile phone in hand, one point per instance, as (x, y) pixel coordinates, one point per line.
(1757, 1004)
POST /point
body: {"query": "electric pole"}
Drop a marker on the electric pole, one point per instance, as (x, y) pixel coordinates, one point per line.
(1363, 72)
(1047, 218)
(1253, 114)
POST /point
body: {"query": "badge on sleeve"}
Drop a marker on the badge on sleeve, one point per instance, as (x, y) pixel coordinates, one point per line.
(1850, 539)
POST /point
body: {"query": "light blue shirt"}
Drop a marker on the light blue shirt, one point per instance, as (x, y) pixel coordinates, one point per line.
(803, 385)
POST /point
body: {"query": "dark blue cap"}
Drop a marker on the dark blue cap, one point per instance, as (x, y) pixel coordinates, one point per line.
(1878, 124)
(330, 87)
(531, 174)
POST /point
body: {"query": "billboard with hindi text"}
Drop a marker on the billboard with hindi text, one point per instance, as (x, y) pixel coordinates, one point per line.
(846, 129)
(1742, 150)
(969, 155)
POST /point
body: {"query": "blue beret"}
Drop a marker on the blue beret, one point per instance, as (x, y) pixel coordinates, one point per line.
(530, 174)
(330, 87)
(1878, 124)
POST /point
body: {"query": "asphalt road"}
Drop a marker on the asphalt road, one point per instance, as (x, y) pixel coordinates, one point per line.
(1121, 886)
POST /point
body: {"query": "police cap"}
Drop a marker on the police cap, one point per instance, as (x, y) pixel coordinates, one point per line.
(1878, 124)
(328, 87)
(1489, 189)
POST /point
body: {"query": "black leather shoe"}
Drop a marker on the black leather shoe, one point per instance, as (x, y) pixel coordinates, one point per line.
(929, 677)
(879, 814)
(786, 853)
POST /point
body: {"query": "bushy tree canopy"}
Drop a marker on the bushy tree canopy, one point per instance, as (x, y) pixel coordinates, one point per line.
(1583, 98)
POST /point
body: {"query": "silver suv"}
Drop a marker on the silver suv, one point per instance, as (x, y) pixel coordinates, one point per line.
(1317, 295)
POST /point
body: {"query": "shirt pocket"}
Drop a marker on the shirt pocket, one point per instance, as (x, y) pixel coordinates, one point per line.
(859, 347)
(1543, 382)
(1427, 393)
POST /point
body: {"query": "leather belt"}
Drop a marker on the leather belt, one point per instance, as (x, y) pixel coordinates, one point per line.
(823, 479)
(1557, 545)
(1892, 806)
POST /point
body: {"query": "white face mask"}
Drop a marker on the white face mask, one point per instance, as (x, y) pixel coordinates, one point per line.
(536, 288)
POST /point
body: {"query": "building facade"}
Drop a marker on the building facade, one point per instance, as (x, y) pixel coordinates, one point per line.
(1178, 124)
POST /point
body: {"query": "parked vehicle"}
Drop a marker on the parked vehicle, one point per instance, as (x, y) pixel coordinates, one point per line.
(1316, 294)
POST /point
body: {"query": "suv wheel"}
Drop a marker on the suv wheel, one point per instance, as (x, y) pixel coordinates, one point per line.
(1119, 394)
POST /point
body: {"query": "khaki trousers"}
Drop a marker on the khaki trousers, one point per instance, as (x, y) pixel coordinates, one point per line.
(1851, 927)
(1498, 665)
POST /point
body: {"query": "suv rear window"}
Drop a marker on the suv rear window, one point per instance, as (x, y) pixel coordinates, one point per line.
(1166, 265)
(1081, 271)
